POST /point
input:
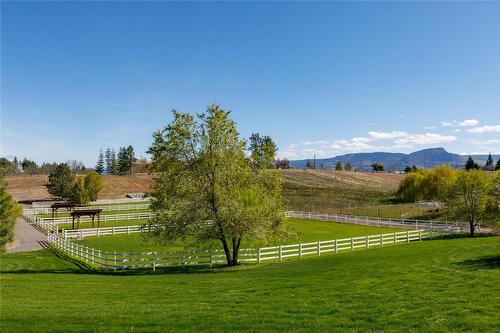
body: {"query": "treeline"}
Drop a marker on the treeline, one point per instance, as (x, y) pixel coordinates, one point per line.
(470, 194)
(63, 183)
(123, 163)
(29, 167)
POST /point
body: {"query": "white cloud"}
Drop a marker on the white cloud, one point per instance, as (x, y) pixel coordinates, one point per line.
(469, 123)
(425, 139)
(374, 135)
(457, 130)
(429, 127)
(485, 129)
(463, 123)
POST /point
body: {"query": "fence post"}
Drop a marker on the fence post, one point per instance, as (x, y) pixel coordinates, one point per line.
(128, 230)
(408, 236)
(113, 230)
(114, 264)
(154, 261)
(382, 239)
(258, 255)
(300, 250)
(280, 253)
(367, 242)
(336, 250)
(394, 238)
(123, 261)
(319, 248)
(99, 259)
(352, 244)
(419, 235)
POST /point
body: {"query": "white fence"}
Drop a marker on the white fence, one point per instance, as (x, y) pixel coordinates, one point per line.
(40, 204)
(104, 218)
(105, 208)
(438, 226)
(122, 261)
(106, 231)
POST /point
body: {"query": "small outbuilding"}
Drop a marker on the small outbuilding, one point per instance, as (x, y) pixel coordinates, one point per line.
(55, 207)
(77, 214)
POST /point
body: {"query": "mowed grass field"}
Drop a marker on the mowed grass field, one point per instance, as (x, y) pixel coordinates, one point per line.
(300, 231)
(432, 286)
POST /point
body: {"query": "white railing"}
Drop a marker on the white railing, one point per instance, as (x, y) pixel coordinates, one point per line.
(122, 261)
(39, 204)
(103, 218)
(438, 226)
(105, 208)
(105, 231)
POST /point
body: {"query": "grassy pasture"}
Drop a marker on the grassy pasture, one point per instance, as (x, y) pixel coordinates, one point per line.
(433, 286)
(301, 231)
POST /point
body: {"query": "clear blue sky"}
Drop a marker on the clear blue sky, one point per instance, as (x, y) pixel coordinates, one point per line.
(320, 78)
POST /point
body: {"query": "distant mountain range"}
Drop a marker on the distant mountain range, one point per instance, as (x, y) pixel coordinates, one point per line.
(426, 158)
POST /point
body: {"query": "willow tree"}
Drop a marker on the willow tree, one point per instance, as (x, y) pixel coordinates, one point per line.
(207, 188)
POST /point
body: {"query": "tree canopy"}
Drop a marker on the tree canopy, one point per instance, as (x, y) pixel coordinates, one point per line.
(61, 181)
(9, 211)
(207, 188)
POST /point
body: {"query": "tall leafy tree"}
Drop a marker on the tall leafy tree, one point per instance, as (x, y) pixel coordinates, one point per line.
(207, 188)
(348, 167)
(93, 184)
(263, 150)
(377, 167)
(469, 196)
(61, 182)
(9, 211)
(29, 167)
(309, 164)
(338, 166)
(7, 167)
(99, 168)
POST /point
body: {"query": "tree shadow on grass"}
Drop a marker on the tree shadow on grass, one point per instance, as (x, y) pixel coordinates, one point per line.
(486, 262)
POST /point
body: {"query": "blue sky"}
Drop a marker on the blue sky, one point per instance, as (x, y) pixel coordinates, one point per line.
(320, 78)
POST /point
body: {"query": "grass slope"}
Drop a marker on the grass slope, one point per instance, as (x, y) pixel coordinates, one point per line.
(302, 231)
(434, 286)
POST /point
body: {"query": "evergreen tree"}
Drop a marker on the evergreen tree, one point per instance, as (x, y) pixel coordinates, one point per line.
(131, 158)
(338, 166)
(489, 161)
(309, 165)
(348, 166)
(108, 161)
(470, 164)
(497, 167)
(61, 181)
(99, 168)
(114, 163)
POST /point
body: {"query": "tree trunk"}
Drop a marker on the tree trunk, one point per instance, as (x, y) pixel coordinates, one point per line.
(236, 248)
(226, 251)
(472, 227)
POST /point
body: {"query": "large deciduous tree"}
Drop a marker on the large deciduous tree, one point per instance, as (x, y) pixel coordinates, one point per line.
(207, 188)
(469, 196)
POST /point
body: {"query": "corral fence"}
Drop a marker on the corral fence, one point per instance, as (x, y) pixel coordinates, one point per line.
(105, 208)
(67, 220)
(437, 226)
(106, 231)
(41, 204)
(121, 261)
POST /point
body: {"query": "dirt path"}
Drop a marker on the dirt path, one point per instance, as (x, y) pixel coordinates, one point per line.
(26, 238)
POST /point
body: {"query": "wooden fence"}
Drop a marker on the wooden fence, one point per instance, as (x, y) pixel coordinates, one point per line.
(437, 226)
(106, 231)
(113, 261)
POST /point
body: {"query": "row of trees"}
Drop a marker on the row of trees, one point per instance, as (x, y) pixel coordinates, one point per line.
(116, 164)
(469, 194)
(9, 211)
(65, 184)
(29, 167)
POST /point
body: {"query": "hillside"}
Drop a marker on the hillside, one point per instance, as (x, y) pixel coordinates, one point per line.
(314, 189)
(32, 188)
(423, 158)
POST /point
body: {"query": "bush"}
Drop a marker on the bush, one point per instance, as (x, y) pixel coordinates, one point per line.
(9, 211)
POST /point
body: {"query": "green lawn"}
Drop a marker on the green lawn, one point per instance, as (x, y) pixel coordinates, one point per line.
(432, 286)
(301, 231)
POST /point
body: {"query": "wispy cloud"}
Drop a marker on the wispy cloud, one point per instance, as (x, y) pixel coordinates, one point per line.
(485, 129)
(463, 123)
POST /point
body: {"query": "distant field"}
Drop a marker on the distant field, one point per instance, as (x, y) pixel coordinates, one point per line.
(301, 231)
(433, 286)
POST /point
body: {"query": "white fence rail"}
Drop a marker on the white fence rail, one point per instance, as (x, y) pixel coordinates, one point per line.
(438, 226)
(113, 261)
(105, 208)
(106, 231)
(103, 218)
(40, 204)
